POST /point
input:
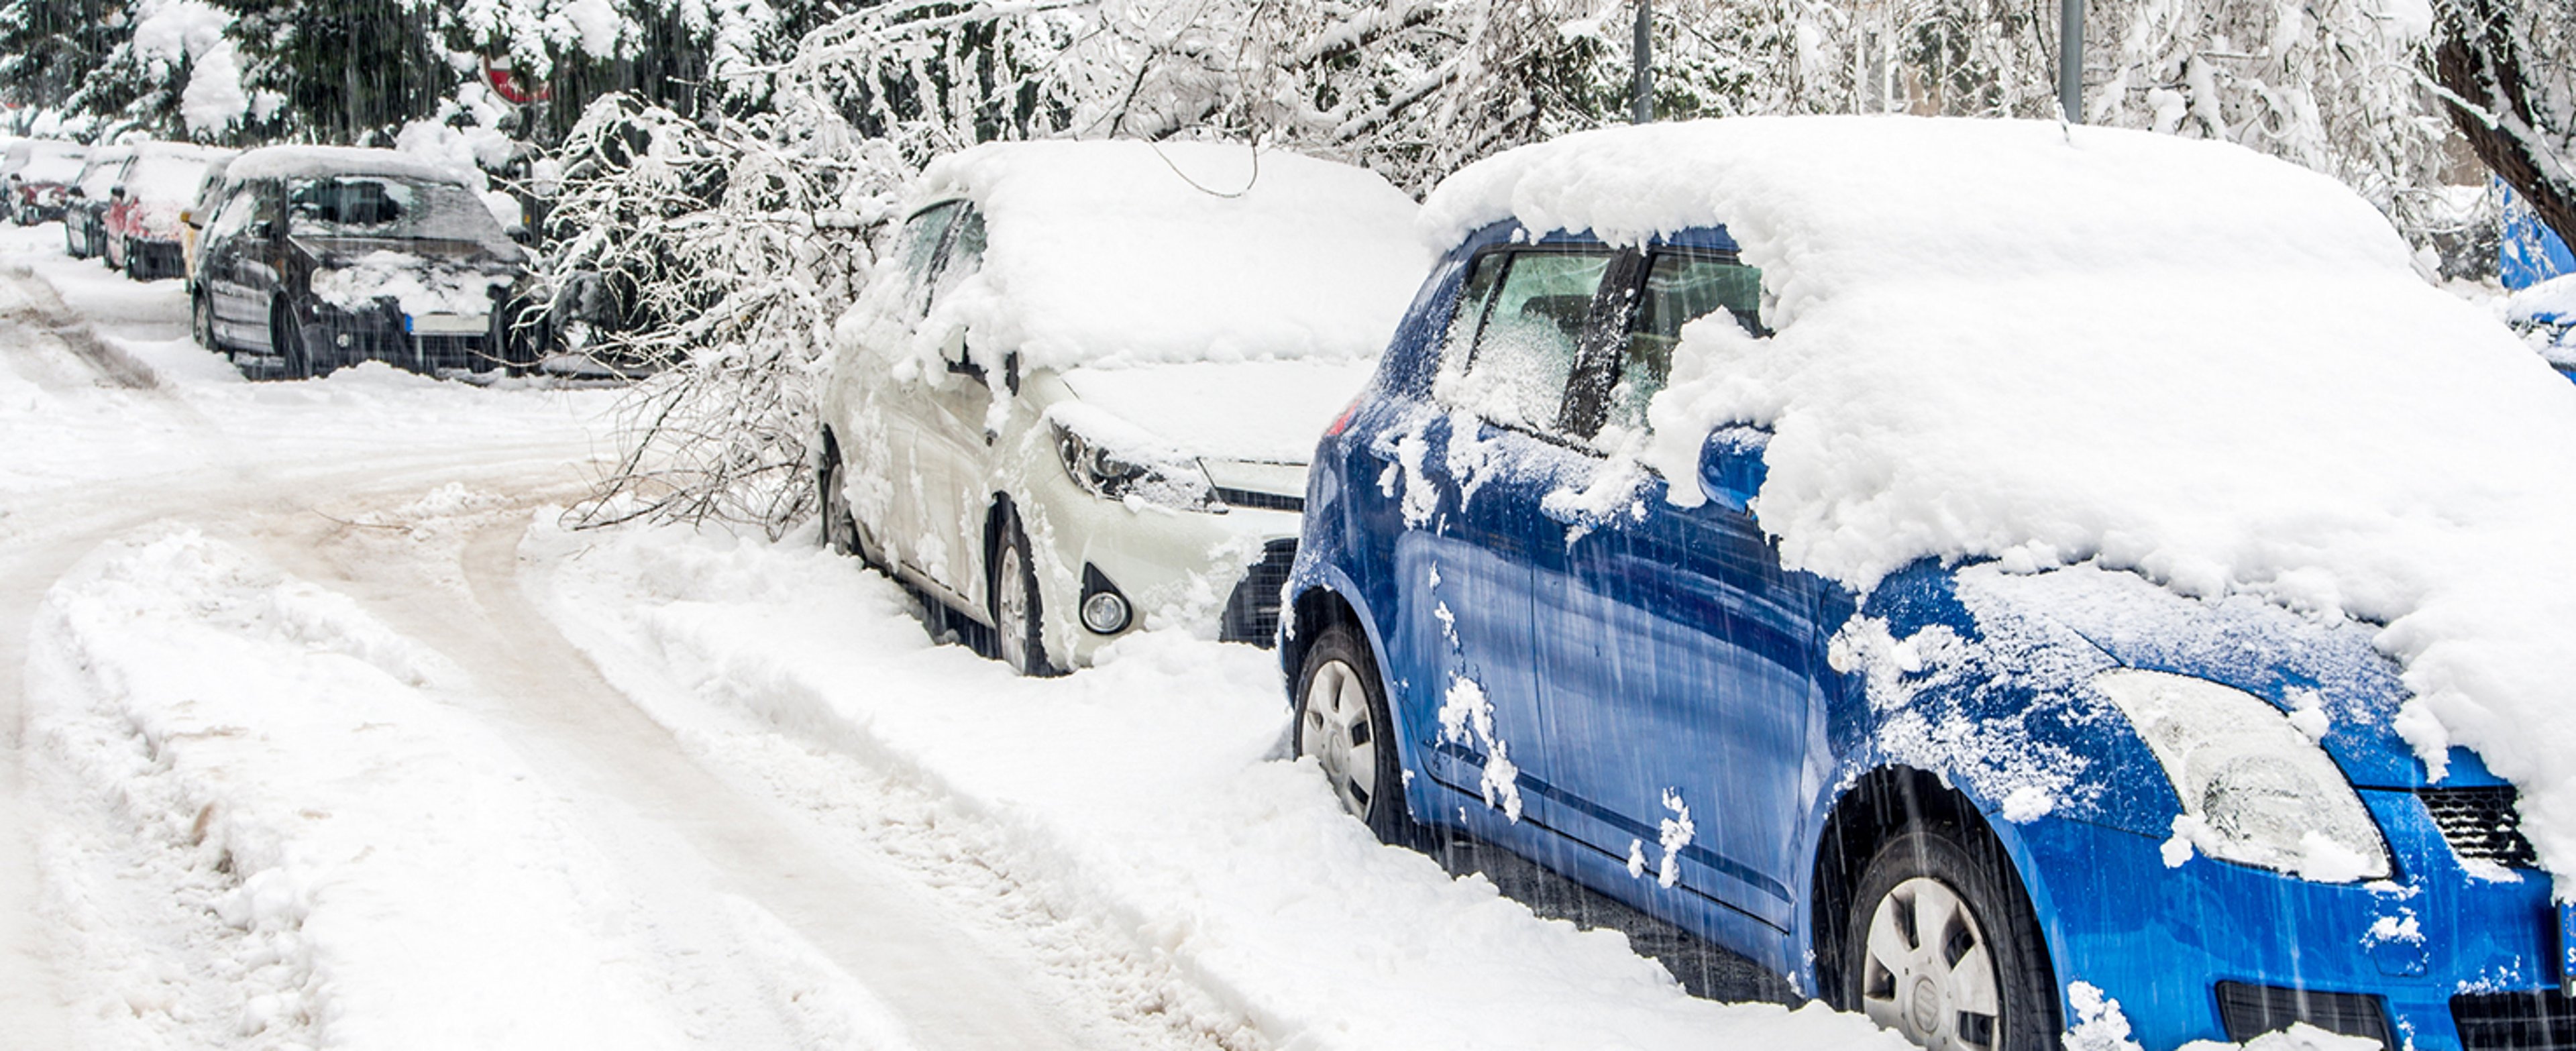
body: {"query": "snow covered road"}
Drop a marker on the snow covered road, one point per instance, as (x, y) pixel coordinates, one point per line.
(320, 731)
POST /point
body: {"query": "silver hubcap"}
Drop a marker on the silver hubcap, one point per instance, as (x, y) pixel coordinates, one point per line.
(1011, 609)
(1929, 974)
(1334, 727)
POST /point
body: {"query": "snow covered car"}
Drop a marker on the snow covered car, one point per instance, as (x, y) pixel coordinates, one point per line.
(142, 228)
(1079, 400)
(36, 176)
(85, 202)
(326, 256)
(2013, 580)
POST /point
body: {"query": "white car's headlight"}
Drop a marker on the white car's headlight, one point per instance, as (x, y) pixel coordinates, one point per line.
(2254, 789)
(1120, 476)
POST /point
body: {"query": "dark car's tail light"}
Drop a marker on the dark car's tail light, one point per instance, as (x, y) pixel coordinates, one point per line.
(2249, 1011)
(2543, 1020)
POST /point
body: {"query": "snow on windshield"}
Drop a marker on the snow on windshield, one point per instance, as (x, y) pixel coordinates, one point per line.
(55, 169)
(165, 179)
(1133, 252)
(2048, 345)
(373, 206)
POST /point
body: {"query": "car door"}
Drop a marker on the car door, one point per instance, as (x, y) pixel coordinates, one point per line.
(1480, 450)
(228, 235)
(904, 405)
(953, 447)
(1685, 666)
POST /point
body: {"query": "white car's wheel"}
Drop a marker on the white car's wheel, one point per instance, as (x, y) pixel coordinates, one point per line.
(841, 529)
(1018, 639)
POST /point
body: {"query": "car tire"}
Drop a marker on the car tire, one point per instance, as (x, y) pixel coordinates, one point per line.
(290, 345)
(201, 322)
(1941, 946)
(1019, 638)
(841, 532)
(133, 269)
(1342, 722)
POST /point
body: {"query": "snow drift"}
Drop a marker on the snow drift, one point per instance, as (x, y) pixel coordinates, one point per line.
(2049, 345)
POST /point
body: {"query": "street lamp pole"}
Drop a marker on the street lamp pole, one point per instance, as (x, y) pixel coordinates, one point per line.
(2070, 59)
(1641, 86)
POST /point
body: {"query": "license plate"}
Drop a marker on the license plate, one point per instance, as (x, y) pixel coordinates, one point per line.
(447, 324)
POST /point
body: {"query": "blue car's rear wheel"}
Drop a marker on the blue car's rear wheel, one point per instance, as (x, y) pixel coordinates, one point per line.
(1942, 947)
(1342, 724)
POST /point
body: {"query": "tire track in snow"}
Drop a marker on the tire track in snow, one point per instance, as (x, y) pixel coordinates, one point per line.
(45, 310)
(794, 898)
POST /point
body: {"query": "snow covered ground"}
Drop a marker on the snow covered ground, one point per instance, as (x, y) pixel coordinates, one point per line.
(328, 734)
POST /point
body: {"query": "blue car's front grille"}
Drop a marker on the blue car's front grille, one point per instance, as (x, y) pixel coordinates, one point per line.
(2544, 1020)
(2480, 824)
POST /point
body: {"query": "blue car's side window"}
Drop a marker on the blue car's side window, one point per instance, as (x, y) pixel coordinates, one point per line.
(1681, 287)
(1528, 338)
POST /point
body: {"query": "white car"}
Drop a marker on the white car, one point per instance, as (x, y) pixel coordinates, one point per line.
(1079, 397)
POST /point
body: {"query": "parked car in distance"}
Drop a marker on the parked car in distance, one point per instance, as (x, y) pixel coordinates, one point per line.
(85, 203)
(324, 256)
(143, 231)
(36, 176)
(1080, 404)
(1929, 557)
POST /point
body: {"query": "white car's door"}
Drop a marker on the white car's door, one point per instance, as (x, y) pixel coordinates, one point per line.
(935, 422)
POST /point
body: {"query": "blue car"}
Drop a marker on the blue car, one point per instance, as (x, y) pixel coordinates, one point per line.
(1983, 807)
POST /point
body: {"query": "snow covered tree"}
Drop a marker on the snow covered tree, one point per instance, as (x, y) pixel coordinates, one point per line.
(2507, 70)
(49, 49)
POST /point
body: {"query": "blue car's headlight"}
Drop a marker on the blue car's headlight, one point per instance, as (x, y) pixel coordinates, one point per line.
(2254, 789)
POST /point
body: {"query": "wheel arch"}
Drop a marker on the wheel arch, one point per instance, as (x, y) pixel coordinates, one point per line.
(1316, 605)
(1877, 807)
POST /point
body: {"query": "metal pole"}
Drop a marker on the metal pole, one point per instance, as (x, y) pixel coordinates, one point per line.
(2070, 59)
(1641, 88)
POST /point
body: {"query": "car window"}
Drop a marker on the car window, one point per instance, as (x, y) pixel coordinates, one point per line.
(1527, 337)
(236, 212)
(1681, 287)
(384, 206)
(964, 254)
(922, 236)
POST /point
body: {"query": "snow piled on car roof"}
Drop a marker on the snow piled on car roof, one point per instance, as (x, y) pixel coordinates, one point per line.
(291, 162)
(1128, 252)
(2050, 345)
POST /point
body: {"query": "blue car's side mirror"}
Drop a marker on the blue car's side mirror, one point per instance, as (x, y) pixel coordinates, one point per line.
(1730, 465)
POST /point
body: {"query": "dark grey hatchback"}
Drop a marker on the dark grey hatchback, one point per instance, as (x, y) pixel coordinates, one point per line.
(319, 257)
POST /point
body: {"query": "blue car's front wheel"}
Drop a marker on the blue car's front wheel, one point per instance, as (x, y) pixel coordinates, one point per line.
(1942, 946)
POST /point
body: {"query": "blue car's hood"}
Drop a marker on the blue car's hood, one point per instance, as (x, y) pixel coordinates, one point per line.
(2242, 642)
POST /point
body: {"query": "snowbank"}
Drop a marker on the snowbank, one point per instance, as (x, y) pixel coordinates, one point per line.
(1132, 252)
(1138, 796)
(2048, 345)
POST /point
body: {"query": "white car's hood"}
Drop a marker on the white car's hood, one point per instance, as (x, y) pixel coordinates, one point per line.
(1259, 411)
